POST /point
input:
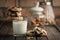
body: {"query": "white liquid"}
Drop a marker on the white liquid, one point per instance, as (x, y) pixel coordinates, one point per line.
(19, 27)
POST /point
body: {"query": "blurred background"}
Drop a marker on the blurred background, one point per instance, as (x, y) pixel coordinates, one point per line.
(6, 26)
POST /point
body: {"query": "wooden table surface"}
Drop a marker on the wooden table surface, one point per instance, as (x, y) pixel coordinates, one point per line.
(7, 29)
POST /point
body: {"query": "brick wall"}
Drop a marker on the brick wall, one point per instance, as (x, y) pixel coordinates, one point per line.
(56, 2)
(57, 11)
(7, 3)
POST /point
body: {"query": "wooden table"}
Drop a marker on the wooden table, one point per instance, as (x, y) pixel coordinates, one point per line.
(6, 30)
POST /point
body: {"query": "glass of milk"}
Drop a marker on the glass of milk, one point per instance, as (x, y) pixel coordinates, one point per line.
(19, 27)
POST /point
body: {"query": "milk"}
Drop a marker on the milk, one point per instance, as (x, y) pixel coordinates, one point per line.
(19, 27)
